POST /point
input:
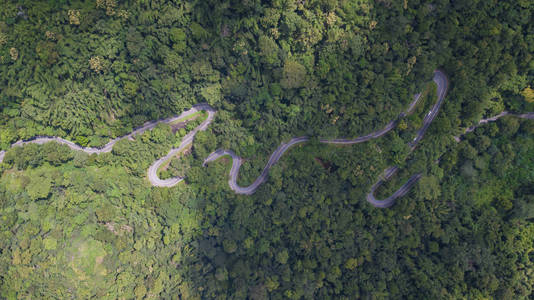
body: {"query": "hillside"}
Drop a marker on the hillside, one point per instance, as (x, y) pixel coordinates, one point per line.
(78, 223)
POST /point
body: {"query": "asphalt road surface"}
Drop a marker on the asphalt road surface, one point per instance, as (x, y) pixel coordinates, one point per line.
(186, 141)
(493, 119)
(389, 201)
(236, 164)
(439, 78)
(442, 85)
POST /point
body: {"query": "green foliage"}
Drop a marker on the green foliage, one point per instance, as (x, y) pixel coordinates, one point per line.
(39, 187)
(212, 93)
(50, 243)
(82, 226)
(230, 246)
(293, 76)
(269, 51)
(177, 35)
(198, 32)
(430, 188)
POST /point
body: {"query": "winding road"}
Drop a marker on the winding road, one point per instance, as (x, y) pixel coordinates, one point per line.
(109, 146)
(236, 164)
(493, 119)
(442, 85)
(187, 140)
(389, 201)
(439, 78)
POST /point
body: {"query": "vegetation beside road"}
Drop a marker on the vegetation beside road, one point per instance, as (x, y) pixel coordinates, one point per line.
(74, 225)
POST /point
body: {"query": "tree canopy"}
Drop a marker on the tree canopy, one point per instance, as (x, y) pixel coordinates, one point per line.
(74, 225)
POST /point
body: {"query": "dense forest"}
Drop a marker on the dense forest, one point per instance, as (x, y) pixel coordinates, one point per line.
(74, 225)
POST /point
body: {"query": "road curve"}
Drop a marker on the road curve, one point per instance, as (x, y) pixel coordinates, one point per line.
(109, 146)
(236, 161)
(378, 133)
(441, 80)
(236, 164)
(442, 85)
(187, 140)
(389, 201)
(493, 119)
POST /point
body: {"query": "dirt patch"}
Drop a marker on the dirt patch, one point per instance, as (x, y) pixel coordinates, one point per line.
(178, 126)
(111, 227)
(114, 228)
(126, 228)
(325, 165)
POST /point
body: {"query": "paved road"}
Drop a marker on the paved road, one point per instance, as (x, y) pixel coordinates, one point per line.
(236, 164)
(493, 119)
(109, 146)
(236, 161)
(442, 85)
(378, 133)
(389, 201)
(441, 81)
(186, 141)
